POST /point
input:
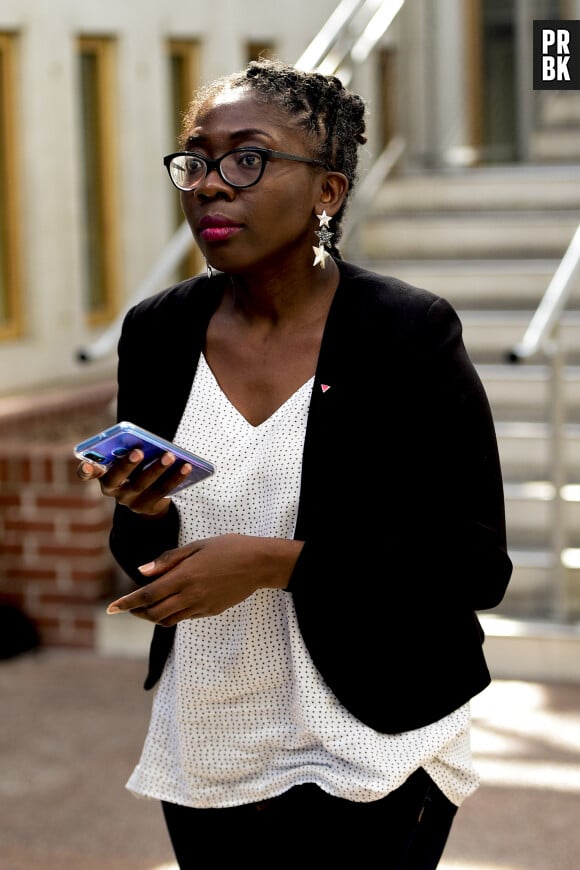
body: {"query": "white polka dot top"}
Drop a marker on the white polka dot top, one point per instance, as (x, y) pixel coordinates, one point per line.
(240, 713)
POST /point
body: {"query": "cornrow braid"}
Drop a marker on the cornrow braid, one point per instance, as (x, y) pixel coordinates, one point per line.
(332, 116)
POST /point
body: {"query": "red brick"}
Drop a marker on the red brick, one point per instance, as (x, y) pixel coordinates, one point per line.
(94, 590)
(71, 502)
(100, 525)
(19, 470)
(37, 470)
(80, 640)
(73, 630)
(81, 595)
(105, 573)
(45, 623)
(68, 550)
(26, 526)
(84, 624)
(9, 499)
(40, 470)
(14, 598)
(12, 549)
(21, 573)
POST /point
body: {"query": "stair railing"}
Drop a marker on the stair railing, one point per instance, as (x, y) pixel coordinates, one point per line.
(347, 38)
(368, 187)
(543, 336)
(172, 255)
(539, 334)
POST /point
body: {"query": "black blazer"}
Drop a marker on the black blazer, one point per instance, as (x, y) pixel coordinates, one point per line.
(401, 503)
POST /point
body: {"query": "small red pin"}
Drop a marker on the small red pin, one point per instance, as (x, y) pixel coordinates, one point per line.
(324, 387)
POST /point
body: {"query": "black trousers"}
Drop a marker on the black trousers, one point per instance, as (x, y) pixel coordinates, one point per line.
(406, 830)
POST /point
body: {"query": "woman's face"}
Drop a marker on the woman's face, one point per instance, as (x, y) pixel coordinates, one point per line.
(239, 230)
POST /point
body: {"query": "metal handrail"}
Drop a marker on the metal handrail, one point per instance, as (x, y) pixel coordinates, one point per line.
(367, 191)
(375, 29)
(171, 256)
(316, 53)
(360, 24)
(543, 335)
(548, 312)
(325, 54)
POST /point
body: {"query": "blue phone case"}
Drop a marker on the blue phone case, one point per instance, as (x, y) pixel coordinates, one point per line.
(118, 440)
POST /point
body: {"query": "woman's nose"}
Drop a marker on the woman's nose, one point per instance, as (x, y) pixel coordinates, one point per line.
(212, 185)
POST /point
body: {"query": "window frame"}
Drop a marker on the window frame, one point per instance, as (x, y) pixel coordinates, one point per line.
(12, 325)
(188, 53)
(103, 50)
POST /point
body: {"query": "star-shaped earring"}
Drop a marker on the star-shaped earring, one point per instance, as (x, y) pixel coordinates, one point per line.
(321, 256)
(324, 236)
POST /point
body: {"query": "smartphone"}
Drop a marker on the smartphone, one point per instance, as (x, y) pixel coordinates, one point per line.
(118, 440)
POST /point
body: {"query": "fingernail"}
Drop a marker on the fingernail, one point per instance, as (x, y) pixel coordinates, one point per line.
(167, 459)
(147, 568)
(113, 608)
(186, 468)
(134, 456)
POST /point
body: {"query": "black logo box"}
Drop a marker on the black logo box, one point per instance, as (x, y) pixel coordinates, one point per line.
(552, 75)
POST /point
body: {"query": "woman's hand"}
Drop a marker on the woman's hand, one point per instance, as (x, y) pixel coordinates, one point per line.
(206, 577)
(144, 492)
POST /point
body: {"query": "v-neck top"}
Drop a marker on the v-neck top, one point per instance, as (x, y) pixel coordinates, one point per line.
(241, 714)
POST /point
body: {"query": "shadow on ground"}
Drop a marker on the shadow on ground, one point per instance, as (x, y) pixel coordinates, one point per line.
(72, 727)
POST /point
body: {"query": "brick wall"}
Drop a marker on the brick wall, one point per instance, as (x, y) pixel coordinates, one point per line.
(55, 563)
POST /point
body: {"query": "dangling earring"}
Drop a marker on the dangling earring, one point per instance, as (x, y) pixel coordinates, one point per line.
(320, 253)
(209, 270)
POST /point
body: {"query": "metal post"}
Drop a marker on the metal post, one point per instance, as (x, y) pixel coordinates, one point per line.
(560, 602)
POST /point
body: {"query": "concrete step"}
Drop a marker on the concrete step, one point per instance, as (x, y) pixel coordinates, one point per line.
(480, 284)
(531, 649)
(492, 188)
(559, 109)
(525, 450)
(490, 240)
(526, 648)
(468, 234)
(522, 391)
(555, 144)
(530, 513)
(489, 335)
(532, 592)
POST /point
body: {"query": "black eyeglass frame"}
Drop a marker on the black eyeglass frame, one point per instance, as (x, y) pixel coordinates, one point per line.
(266, 154)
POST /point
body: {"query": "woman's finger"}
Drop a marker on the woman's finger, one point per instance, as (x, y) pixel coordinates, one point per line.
(89, 471)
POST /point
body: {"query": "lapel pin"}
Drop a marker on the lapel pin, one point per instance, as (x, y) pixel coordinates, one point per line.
(324, 387)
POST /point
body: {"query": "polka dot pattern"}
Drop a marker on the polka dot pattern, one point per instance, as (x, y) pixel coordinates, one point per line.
(241, 713)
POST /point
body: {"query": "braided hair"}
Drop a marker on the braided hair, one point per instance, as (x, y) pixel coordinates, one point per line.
(332, 116)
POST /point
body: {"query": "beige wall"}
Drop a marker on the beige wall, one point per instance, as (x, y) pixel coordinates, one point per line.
(48, 143)
(432, 96)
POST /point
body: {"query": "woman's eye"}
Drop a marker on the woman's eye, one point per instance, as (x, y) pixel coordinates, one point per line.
(193, 166)
(249, 160)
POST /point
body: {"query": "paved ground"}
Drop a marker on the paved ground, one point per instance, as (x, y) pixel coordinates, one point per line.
(71, 727)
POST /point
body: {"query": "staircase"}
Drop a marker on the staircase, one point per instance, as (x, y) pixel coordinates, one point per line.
(489, 240)
(556, 134)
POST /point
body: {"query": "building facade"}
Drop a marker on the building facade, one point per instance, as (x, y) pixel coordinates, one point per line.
(91, 93)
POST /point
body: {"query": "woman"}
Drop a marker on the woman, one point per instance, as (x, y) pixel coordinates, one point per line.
(316, 644)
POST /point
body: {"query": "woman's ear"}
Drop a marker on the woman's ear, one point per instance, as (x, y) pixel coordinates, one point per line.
(333, 191)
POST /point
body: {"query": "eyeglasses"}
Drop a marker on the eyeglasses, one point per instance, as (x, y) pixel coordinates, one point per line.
(239, 168)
